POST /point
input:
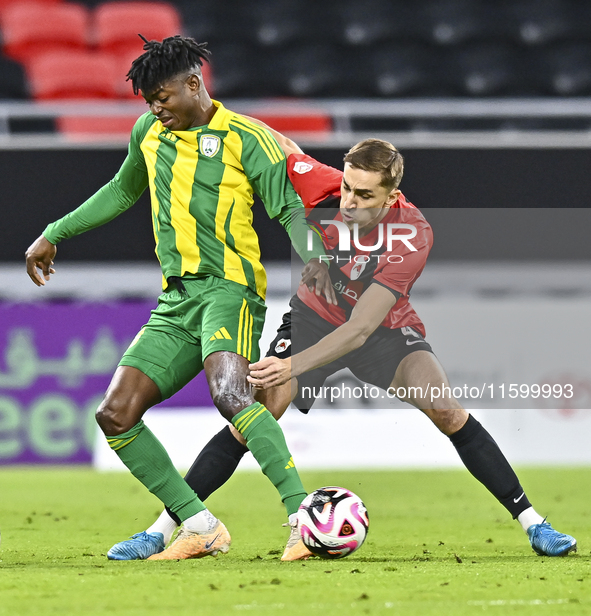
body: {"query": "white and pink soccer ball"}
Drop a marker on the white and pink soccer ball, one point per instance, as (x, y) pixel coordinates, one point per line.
(333, 522)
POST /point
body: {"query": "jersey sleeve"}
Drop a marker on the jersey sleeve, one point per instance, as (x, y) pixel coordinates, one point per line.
(264, 165)
(401, 266)
(313, 181)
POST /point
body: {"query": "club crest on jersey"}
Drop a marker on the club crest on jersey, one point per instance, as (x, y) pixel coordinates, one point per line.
(209, 145)
(357, 269)
(301, 167)
(282, 345)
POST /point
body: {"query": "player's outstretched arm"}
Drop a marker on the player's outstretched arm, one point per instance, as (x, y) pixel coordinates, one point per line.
(40, 256)
(369, 312)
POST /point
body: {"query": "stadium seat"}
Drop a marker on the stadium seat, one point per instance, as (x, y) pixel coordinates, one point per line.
(484, 70)
(6, 4)
(540, 22)
(279, 22)
(72, 75)
(117, 25)
(453, 22)
(297, 121)
(236, 71)
(308, 70)
(373, 21)
(563, 69)
(14, 82)
(29, 29)
(105, 126)
(398, 69)
(205, 21)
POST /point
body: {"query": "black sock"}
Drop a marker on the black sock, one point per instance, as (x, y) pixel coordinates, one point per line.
(483, 458)
(214, 465)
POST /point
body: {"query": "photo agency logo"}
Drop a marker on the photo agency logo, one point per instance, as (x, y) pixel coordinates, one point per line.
(387, 235)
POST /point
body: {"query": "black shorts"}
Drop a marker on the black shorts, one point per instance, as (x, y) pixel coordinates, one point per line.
(374, 363)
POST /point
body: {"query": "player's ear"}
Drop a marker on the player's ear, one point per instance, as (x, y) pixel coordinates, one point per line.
(193, 81)
(392, 197)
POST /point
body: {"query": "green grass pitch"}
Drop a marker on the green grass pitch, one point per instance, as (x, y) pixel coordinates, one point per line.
(438, 544)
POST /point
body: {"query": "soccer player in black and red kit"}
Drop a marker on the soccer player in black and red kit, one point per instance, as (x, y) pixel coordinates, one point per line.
(376, 244)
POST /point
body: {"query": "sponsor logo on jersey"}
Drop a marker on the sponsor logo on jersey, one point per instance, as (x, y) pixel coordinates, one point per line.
(209, 145)
(301, 167)
(282, 345)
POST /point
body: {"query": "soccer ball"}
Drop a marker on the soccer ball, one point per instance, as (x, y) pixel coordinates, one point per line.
(333, 522)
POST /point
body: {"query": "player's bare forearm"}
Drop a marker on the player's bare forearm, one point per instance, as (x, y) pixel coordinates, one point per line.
(39, 256)
(366, 317)
(272, 371)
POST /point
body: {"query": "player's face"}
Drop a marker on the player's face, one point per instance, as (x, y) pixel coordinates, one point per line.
(363, 200)
(176, 103)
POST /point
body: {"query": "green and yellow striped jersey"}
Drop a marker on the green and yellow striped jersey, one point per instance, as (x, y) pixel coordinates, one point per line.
(201, 185)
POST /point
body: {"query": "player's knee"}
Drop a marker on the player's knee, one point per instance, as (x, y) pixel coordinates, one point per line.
(448, 417)
(113, 417)
(230, 403)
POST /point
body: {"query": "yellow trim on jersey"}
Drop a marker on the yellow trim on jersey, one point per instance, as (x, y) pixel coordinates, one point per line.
(149, 146)
(231, 188)
(265, 134)
(250, 325)
(181, 193)
(243, 316)
(271, 152)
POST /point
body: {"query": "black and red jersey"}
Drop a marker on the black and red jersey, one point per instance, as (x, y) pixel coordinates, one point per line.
(393, 254)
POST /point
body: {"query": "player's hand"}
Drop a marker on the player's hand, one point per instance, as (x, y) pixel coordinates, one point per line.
(316, 277)
(269, 372)
(40, 256)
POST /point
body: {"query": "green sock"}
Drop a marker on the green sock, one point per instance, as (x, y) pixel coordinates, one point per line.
(265, 439)
(148, 461)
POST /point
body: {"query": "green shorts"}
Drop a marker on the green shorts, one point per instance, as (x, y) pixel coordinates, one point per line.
(212, 314)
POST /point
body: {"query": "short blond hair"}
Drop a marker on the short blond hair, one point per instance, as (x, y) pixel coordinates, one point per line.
(379, 156)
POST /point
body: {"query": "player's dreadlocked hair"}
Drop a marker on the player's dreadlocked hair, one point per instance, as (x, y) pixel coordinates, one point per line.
(380, 156)
(163, 60)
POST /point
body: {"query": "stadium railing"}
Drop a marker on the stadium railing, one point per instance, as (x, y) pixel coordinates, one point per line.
(541, 122)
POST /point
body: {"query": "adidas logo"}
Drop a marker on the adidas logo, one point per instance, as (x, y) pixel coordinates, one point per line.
(290, 464)
(221, 334)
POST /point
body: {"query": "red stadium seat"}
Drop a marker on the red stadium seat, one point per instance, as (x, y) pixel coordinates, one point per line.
(31, 28)
(6, 4)
(297, 122)
(79, 127)
(72, 75)
(117, 25)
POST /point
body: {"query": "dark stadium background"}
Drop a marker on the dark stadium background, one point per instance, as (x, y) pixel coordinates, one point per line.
(42, 185)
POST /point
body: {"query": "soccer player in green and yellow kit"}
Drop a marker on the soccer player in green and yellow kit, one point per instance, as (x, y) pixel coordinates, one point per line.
(202, 164)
